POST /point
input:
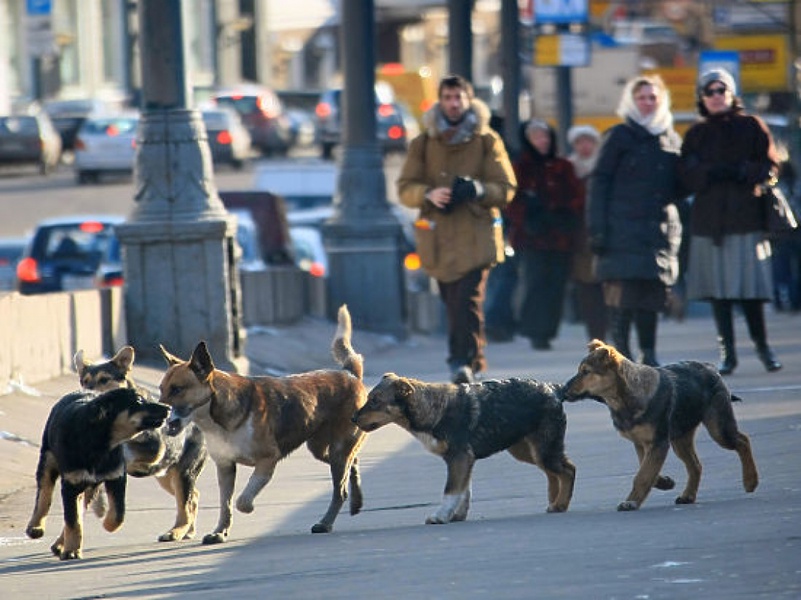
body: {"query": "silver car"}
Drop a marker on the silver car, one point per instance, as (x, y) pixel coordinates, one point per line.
(105, 144)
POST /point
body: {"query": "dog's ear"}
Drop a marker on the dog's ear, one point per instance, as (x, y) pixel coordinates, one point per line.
(201, 363)
(80, 363)
(124, 359)
(594, 345)
(403, 389)
(171, 359)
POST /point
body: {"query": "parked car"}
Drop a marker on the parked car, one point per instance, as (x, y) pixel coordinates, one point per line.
(395, 125)
(105, 144)
(29, 139)
(263, 115)
(229, 140)
(11, 250)
(68, 116)
(71, 253)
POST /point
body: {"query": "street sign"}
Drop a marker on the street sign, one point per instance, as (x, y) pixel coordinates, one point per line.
(39, 28)
(561, 12)
(561, 50)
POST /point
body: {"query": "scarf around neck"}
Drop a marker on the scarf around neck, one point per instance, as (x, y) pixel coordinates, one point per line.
(458, 133)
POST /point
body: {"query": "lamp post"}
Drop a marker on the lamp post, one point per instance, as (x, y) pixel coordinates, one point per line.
(460, 43)
(363, 238)
(181, 282)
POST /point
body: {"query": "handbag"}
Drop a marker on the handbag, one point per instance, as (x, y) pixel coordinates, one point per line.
(779, 215)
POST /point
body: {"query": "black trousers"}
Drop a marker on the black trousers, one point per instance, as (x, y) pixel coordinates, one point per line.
(464, 305)
(544, 277)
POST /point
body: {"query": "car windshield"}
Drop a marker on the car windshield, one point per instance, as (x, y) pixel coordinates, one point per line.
(242, 104)
(65, 107)
(92, 242)
(110, 126)
(19, 125)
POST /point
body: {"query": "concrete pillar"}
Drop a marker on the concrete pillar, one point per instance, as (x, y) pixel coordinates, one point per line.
(181, 283)
(363, 238)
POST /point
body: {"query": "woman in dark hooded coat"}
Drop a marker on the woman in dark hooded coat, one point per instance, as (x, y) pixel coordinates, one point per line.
(544, 225)
(632, 219)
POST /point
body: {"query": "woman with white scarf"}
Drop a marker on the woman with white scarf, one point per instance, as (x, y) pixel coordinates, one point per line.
(632, 221)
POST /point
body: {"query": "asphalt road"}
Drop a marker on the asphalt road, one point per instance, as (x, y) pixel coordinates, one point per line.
(728, 545)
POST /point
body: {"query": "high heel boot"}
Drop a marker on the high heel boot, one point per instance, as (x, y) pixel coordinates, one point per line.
(721, 311)
(755, 318)
(620, 325)
(645, 322)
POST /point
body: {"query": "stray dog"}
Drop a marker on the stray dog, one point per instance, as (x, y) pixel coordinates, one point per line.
(257, 421)
(657, 408)
(462, 423)
(175, 461)
(82, 443)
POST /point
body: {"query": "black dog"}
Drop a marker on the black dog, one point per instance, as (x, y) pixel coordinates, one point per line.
(463, 423)
(175, 461)
(82, 443)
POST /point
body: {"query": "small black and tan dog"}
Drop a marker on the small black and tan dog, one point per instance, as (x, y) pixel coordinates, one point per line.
(175, 461)
(463, 423)
(656, 408)
(82, 443)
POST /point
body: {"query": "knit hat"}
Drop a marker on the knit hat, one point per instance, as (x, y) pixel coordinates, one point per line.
(578, 131)
(718, 74)
(537, 124)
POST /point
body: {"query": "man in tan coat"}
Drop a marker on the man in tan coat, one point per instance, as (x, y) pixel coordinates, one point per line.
(458, 174)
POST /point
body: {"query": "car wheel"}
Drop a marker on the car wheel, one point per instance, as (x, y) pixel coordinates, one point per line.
(237, 164)
(328, 151)
(82, 177)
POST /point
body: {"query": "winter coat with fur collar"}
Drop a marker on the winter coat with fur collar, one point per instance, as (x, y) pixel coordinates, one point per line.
(453, 243)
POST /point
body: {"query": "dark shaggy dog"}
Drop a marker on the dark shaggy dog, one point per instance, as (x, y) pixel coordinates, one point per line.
(463, 423)
(257, 421)
(82, 443)
(175, 461)
(657, 408)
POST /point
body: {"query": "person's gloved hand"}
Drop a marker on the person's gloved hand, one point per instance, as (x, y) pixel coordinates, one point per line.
(725, 172)
(466, 189)
(598, 243)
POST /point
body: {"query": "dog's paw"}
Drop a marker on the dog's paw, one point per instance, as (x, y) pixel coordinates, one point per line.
(56, 548)
(244, 505)
(664, 482)
(321, 528)
(214, 538)
(556, 508)
(685, 500)
(70, 554)
(626, 506)
(436, 520)
(34, 532)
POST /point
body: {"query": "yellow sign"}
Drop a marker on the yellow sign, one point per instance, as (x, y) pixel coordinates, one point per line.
(763, 60)
(680, 82)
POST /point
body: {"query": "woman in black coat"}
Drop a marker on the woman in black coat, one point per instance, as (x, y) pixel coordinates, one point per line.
(633, 223)
(726, 158)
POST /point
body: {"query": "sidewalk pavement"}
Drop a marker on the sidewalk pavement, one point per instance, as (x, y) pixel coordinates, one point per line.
(306, 345)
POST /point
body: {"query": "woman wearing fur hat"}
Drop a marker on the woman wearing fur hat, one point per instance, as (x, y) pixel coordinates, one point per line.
(725, 160)
(633, 223)
(544, 224)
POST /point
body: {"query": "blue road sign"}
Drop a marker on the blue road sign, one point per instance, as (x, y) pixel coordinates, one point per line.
(38, 7)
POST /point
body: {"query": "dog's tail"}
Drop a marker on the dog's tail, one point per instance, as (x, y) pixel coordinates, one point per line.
(341, 348)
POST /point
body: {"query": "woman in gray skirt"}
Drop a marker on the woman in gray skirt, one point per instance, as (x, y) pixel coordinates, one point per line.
(726, 159)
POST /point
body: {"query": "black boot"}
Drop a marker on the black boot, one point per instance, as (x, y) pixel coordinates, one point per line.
(645, 321)
(620, 325)
(721, 311)
(755, 318)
